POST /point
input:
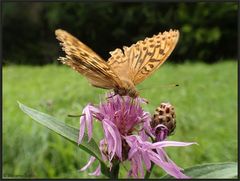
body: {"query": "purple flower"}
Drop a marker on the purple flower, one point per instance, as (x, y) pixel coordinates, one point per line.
(119, 116)
(144, 151)
(127, 132)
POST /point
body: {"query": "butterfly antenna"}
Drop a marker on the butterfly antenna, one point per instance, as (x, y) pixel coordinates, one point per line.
(173, 85)
(169, 85)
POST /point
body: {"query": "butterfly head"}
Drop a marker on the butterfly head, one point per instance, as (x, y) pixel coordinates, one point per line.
(132, 92)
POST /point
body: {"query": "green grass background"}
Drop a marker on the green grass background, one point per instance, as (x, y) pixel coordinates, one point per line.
(205, 103)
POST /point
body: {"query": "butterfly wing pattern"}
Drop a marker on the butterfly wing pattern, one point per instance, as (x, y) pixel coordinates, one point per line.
(124, 69)
(85, 61)
(144, 57)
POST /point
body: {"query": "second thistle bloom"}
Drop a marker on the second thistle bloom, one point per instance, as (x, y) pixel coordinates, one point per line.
(163, 122)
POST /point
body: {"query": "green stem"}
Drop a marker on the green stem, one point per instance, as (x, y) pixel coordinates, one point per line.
(115, 170)
(148, 173)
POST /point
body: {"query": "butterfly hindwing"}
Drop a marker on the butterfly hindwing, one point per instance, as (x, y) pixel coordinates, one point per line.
(120, 64)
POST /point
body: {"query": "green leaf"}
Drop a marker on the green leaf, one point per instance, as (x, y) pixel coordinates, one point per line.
(211, 170)
(68, 132)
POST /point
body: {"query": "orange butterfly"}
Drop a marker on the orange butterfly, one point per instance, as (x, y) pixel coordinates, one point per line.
(124, 69)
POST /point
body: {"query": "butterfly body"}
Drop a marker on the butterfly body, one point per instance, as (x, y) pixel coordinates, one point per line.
(127, 89)
(125, 68)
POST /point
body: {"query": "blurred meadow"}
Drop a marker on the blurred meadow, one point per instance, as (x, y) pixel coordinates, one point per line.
(203, 64)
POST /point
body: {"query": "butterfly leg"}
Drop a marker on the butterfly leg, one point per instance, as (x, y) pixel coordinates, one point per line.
(109, 97)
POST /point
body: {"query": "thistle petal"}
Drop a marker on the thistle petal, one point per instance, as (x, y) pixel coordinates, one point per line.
(146, 160)
(168, 167)
(113, 138)
(162, 144)
(139, 165)
(132, 151)
(82, 128)
(91, 160)
(97, 172)
(163, 155)
(89, 121)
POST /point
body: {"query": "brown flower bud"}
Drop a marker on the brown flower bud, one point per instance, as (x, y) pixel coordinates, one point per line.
(164, 114)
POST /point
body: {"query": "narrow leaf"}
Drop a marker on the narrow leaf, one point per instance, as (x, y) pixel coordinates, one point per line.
(67, 131)
(211, 170)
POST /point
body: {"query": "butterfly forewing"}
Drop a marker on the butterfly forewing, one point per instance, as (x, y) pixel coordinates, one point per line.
(84, 60)
(158, 50)
(140, 60)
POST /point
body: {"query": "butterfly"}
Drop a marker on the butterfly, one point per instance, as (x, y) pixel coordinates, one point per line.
(125, 68)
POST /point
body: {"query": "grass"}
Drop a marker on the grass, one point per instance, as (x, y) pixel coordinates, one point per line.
(205, 103)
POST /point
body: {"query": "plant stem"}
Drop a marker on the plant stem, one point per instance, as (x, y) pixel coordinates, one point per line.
(115, 170)
(147, 174)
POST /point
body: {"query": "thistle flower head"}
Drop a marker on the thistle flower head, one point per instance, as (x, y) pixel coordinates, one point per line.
(124, 112)
(127, 132)
(120, 116)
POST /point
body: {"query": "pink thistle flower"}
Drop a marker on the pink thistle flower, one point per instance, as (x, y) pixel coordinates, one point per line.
(147, 152)
(119, 117)
(127, 130)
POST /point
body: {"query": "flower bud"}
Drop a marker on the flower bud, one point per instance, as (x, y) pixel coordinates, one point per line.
(165, 115)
